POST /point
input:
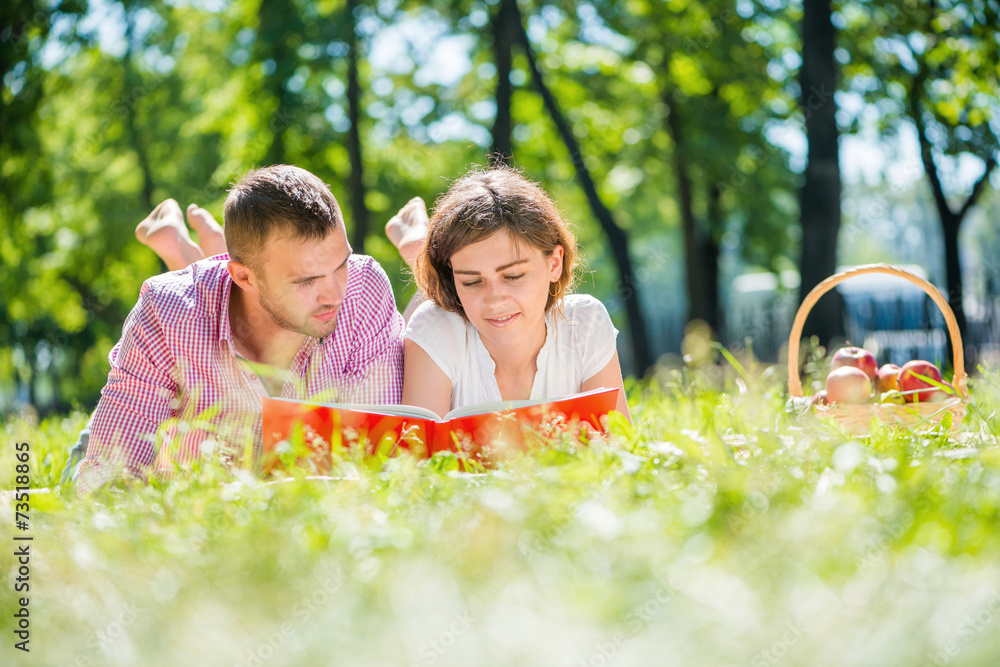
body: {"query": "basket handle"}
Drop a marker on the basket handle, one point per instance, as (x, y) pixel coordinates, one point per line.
(795, 337)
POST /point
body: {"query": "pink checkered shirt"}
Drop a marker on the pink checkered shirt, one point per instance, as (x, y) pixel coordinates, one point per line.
(178, 388)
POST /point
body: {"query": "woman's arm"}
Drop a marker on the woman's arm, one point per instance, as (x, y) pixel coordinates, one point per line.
(609, 376)
(424, 383)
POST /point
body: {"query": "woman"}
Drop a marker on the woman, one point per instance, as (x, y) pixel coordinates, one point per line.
(497, 265)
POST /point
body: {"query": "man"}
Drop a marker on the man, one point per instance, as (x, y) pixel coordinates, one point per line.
(289, 312)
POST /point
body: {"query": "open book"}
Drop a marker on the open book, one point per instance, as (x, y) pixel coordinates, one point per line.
(506, 424)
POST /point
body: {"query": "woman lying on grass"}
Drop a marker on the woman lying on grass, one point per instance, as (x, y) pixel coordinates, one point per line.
(497, 265)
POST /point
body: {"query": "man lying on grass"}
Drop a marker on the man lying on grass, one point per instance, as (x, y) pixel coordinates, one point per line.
(290, 312)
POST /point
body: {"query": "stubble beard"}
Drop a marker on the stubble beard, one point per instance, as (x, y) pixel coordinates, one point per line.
(280, 317)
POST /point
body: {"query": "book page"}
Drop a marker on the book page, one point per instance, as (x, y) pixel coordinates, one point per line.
(396, 410)
(500, 406)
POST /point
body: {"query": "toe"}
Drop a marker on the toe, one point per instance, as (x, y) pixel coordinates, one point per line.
(415, 205)
(393, 230)
(201, 218)
(168, 205)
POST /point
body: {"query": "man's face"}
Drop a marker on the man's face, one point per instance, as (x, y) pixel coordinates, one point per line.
(303, 282)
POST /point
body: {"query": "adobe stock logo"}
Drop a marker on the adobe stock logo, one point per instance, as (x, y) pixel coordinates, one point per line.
(434, 648)
(967, 630)
(773, 654)
(636, 621)
(330, 577)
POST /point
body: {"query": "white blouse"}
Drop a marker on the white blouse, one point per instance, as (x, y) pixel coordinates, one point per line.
(579, 342)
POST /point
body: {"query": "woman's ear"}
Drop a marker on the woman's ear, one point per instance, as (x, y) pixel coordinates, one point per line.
(556, 263)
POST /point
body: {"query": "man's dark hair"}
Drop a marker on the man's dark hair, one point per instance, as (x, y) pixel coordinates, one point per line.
(280, 199)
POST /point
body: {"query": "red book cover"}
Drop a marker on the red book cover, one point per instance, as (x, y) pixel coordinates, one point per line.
(476, 429)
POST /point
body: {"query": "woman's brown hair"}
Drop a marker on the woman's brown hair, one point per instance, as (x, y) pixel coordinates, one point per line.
(477, 206)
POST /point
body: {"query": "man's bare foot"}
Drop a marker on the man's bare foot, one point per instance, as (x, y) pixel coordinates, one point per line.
(408, 229)
(164, 231)
(210, 236)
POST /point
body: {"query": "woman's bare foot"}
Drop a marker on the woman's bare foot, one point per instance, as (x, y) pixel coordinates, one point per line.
(408, 229)
(164, 231)
(210, 236)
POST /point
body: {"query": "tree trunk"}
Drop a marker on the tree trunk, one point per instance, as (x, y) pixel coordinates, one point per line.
(273, 44)
(951, 220)
(703, 292)
(29, 355)
(819, 200)
(701, 261)
(359, 209)
(628, 286)
(711, 311)
(504, 33)
(950, 226)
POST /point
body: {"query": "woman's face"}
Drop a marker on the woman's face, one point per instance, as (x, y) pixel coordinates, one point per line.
(503, 286)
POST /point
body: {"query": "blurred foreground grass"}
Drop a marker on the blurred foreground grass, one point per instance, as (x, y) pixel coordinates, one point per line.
(722, 531)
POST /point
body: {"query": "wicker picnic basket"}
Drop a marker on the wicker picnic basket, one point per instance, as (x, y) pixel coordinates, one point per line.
(858, 418)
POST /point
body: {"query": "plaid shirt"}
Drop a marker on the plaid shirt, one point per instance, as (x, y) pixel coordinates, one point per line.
(178, 387)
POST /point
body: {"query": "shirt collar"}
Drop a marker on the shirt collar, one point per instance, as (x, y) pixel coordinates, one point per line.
(225, 325)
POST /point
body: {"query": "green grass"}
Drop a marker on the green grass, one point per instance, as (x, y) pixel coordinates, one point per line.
(723, 530)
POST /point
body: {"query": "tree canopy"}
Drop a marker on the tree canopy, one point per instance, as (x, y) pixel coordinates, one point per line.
(670, 133)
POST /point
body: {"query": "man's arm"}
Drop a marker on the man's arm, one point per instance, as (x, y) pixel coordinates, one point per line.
(139, 396)
(377, 348)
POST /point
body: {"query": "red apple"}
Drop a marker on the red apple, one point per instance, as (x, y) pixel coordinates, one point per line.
(940, 395)
(848, 384)
(856, 357)
(887, 378)
(819, 398)
(908, 380)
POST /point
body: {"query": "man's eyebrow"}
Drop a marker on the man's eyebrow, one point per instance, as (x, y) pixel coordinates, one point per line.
(498, 269)
(305, 279)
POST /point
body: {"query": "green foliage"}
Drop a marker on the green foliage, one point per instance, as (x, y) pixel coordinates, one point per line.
(185, 102)
(98, 127)
(940, 61)
(707, 532)
(710, 65)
